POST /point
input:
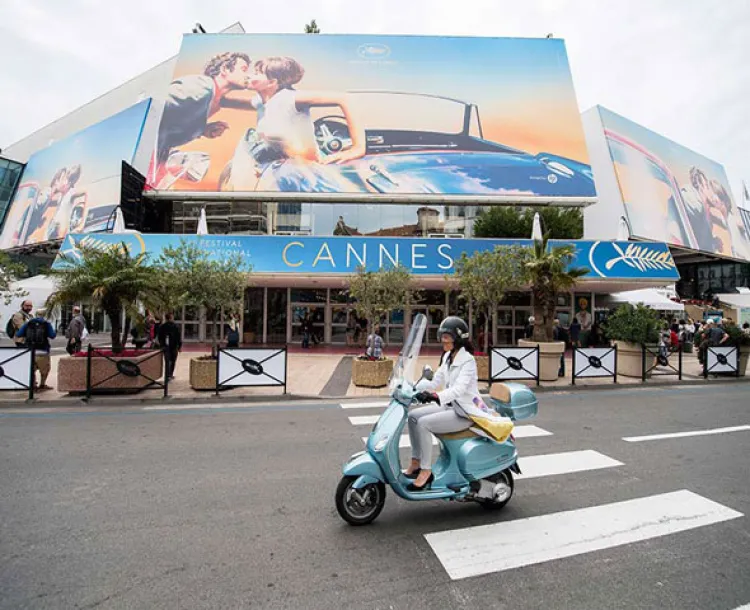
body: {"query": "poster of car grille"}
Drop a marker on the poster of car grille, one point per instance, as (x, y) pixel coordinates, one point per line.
(251, 367)
(15, 368)
(395, 116)
(507, 363)
(722, 360)
(595, 362)
(73, 185)
(672, 194)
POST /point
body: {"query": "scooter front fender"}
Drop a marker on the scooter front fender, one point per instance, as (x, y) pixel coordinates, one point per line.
(364, 466)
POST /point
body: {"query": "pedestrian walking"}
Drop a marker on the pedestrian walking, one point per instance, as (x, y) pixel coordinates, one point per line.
(375, 344)
(36, 333)
(171, 341)
(233, 331)
(75, 332)
(18, 319)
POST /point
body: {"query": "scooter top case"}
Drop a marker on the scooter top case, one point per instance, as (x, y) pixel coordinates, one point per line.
(513, 400)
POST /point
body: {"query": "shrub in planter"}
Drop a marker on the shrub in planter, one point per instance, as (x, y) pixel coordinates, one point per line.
(741, 339)
(630, 328)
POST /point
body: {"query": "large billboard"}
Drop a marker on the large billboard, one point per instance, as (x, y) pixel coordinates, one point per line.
(357, 116)
(672, 194)
(74, 184)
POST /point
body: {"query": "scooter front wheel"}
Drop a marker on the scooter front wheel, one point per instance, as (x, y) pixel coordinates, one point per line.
(359, 506)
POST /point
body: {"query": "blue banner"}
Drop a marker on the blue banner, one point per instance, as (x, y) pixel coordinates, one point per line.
(342, 255)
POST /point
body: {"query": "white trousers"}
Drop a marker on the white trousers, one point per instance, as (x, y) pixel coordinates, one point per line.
(426, 421)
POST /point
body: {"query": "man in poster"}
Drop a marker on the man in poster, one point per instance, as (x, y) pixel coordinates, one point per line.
(192, 100)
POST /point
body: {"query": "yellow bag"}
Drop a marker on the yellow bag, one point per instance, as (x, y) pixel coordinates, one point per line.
(497, 428)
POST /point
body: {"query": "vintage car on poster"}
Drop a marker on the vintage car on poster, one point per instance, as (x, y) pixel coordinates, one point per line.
(416, 144)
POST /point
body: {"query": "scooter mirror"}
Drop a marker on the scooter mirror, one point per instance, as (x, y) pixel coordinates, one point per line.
(427, 372)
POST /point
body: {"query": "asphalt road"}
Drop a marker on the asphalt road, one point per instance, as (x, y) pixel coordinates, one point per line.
(233, 508)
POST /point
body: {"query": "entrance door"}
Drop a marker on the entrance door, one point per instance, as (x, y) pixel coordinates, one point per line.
(277, 316)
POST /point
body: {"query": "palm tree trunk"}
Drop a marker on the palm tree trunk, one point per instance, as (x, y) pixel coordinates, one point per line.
(114, 320)
(125, 331)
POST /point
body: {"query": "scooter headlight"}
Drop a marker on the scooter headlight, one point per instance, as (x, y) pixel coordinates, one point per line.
(380, 445)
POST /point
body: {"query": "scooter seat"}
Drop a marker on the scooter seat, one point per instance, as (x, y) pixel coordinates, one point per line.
(454, 436)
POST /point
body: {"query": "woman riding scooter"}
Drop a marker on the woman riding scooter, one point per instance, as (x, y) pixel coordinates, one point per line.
(458, 373)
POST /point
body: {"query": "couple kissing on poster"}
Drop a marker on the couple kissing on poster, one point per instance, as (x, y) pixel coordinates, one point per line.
(284, 129)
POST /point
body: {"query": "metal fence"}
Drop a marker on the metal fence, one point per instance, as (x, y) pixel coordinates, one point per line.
(590, 362)
(508, 363)
(256, 367)
(125, 367)
(17, 369)
(660, 362)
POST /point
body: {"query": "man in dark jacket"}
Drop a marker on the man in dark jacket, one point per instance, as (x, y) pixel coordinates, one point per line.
(171, 341)
(74, 332)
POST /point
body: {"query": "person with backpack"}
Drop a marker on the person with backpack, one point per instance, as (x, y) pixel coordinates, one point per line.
(37, 332)
(16, 321)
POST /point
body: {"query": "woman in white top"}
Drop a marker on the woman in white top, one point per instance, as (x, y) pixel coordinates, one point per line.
(458, 373)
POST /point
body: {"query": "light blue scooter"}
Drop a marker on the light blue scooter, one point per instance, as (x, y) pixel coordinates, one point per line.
(470, 468)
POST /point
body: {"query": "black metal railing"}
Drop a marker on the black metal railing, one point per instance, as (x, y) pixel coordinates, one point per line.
(127, 366)
(252, 367)
(594, 362)
(660, 362)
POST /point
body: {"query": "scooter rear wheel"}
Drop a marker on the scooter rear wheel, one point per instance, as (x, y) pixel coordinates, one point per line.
(359, 506)
(504, 493)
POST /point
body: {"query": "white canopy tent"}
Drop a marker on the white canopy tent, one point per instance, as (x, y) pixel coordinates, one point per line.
(649, 297)
(38, 289)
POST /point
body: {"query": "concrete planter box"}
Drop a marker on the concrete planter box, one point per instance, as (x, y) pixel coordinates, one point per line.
(71, 373)
(549, 357)
(483, 368)
(203, 373)
(371, 373)
(744, 355)
(630, 359)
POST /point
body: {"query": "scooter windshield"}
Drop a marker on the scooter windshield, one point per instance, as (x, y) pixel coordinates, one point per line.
(407, 359)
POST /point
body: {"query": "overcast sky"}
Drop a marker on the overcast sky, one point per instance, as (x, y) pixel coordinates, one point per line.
(679, 67)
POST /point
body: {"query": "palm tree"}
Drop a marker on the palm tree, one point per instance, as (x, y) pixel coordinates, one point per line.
(110, 278)
(549, 273)
(312, 28)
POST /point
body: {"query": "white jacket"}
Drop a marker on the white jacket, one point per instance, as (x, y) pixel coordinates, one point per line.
(459, 379)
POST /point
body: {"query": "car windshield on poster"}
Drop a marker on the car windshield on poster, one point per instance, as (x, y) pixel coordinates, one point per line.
(73, 185)
(360, 115)
(673, 194)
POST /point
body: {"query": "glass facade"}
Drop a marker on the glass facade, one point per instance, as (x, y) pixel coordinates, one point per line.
(704, 280)
(323, 219)
(10, 173)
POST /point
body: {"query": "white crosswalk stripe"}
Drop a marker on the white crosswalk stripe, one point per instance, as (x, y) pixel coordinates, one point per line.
(533, 466)
(365, 405)
(485, 549)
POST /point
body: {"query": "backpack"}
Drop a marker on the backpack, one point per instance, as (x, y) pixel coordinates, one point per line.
(10, 328)
(36, 334)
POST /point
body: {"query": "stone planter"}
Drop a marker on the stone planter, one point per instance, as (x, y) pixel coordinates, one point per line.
(549, 357)
(371, 373)
(71, 372)
(744, 355)
(483, 368)
(203, 373)
(630, 359)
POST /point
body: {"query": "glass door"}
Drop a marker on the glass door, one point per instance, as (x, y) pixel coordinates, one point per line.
(277, 316)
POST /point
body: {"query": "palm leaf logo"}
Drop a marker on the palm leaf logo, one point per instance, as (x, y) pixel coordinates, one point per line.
(641, 257)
